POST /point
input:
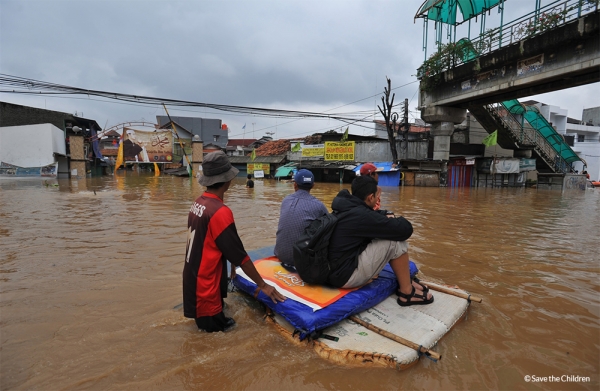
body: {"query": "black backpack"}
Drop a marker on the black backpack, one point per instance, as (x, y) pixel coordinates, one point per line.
(312, 248)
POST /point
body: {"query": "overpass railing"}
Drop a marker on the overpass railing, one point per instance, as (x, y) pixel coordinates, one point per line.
(537, 22)
(528, 137)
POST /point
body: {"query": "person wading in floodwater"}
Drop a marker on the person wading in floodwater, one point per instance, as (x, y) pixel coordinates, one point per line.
(212, 241)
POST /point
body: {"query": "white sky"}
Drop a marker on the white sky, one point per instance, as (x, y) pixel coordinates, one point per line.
(309, 55)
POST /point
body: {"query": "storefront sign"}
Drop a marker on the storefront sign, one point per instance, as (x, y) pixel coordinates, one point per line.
(339, 150)
(313, 150)
(252, 167)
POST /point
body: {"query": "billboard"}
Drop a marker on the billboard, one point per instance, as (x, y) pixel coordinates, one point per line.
(140, 146)
(264, 167)
(343, 150)
(313, 150)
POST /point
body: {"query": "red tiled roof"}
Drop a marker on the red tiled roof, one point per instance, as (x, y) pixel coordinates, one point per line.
(272, 148)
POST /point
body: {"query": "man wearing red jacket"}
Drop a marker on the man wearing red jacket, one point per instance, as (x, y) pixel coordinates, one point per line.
(212, 241)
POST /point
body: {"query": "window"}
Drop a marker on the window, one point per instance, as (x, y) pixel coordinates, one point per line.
(580, 138)
(215, 137)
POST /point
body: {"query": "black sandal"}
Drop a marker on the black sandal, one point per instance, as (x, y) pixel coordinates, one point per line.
(412, 295)
(423, 287)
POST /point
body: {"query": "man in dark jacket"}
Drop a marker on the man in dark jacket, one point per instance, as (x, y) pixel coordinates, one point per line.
(364, 240)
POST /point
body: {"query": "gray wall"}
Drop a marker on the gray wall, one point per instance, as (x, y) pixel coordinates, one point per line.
(591, 114)
(206, 128)
(378, 151)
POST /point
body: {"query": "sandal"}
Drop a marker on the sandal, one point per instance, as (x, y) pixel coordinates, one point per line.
(423, 287)
(412, 295)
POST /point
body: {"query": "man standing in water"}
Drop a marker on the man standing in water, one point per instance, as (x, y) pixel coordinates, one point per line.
(297, 211)
(212, 241)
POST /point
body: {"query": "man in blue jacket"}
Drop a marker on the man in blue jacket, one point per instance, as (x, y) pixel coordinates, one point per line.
(364, 240)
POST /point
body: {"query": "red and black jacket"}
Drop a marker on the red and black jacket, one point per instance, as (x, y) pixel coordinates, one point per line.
(212, 240)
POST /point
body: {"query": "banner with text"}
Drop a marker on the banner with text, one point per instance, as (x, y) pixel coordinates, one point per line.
(313, 150)
(140, 146)
(264, 167)
(339, 150)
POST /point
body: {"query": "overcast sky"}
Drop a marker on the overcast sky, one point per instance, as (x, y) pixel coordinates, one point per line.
(309, 55)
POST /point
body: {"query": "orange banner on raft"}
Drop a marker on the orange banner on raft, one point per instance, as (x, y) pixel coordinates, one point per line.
(271, 270)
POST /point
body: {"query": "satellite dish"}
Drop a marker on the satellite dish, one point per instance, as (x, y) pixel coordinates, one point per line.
(76, 129)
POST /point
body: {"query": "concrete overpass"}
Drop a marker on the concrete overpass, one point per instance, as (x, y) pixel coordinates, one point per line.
(563, 57)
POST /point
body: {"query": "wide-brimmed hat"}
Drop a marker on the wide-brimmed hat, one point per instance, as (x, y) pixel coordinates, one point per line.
(216, 168)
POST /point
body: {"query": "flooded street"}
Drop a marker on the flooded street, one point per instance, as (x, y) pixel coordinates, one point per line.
(90, 287)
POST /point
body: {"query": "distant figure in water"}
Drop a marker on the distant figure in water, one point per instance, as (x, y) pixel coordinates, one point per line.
(250, 182)
(212, 241)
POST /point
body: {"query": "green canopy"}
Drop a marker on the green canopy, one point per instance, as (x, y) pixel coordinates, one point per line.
(284, 171)
(445, 11)
(539, 123)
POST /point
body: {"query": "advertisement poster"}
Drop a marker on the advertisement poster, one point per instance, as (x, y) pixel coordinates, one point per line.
(339, 150)
(314, 150)
(264, 167)
(141, 146)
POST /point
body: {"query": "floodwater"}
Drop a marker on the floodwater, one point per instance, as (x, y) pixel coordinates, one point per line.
(90, 287)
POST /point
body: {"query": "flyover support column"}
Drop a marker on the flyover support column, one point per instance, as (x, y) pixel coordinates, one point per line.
(442, 120)
(441, 132)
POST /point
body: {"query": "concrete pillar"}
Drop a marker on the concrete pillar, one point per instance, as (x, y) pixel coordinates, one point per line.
(441, 132)
(197, 153)
(77, 157)
(442, 120)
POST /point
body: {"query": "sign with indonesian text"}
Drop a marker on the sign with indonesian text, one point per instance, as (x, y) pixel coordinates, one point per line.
(264, 167)
(339, 150)
(313, 150)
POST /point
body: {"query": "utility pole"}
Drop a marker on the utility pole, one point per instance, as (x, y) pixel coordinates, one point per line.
(406, 126)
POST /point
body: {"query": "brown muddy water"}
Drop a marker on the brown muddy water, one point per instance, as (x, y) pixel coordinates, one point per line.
(90, 283)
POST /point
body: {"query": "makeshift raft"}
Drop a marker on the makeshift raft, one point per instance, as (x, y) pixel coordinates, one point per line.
(373, 336)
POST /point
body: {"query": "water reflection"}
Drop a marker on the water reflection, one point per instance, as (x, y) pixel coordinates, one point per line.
(90, 275)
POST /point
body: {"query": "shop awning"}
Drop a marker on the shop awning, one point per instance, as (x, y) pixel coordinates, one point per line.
(284, 171)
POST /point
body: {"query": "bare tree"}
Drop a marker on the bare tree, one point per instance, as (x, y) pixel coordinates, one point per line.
(387, 115)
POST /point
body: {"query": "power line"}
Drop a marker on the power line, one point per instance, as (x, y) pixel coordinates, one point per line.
(28, 86)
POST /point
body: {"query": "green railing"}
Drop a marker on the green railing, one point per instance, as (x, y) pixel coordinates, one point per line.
(537, 22)
(528, 137)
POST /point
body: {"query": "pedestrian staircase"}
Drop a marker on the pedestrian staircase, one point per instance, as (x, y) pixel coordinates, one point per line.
(552, 153)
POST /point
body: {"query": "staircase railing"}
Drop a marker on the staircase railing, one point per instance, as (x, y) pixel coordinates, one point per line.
(528, 137)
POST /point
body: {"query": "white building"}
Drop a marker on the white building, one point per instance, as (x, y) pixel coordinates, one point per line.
(32, 150)
(582, 135)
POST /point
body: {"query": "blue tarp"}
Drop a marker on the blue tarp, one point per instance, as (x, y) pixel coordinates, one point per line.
(307, 322)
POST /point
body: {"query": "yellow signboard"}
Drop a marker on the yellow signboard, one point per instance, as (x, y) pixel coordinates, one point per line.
(313, 150)
(339, 150)
(265, 167)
